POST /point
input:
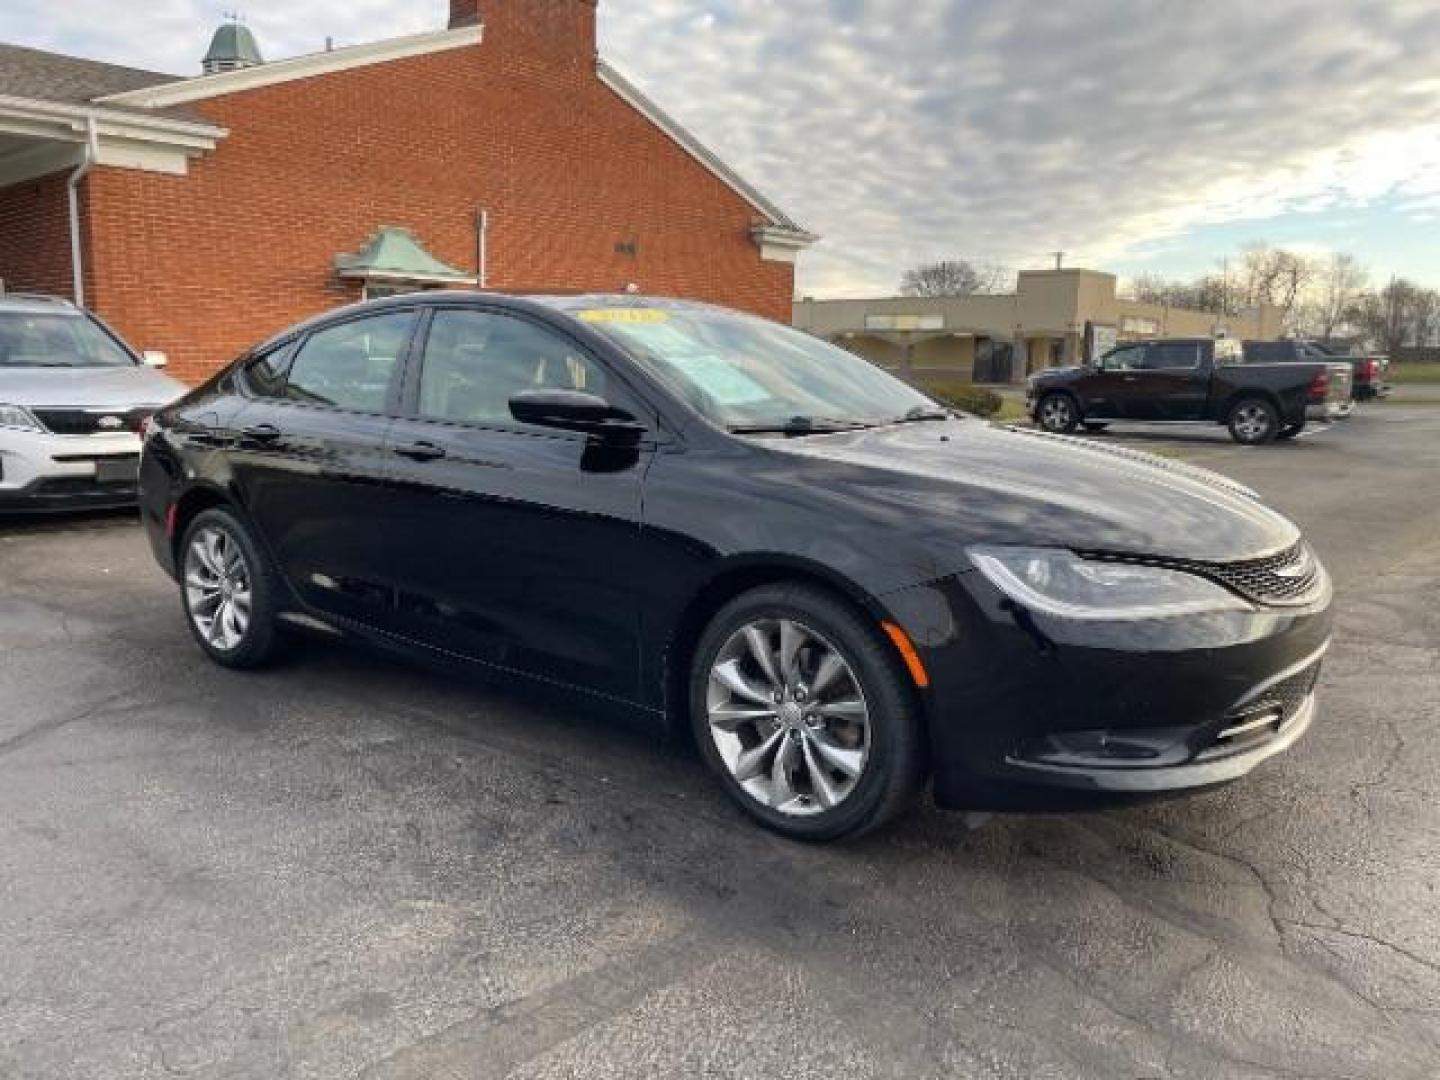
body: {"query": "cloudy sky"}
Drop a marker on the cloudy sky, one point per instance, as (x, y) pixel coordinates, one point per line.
(1153, 135)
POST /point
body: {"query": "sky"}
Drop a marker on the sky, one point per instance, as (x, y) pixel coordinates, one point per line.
(1155, 136)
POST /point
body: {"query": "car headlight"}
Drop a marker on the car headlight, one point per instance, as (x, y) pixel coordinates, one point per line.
(1053, 581)
(13, 416)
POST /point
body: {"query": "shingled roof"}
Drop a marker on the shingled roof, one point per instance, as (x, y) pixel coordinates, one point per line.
(69, 80)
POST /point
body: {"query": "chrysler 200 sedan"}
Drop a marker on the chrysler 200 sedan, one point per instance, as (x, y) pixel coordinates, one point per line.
(843, 590)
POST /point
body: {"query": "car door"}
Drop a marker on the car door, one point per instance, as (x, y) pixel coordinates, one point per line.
(311, 459)
(1171, 383)
(1106, 391)
(521, 543)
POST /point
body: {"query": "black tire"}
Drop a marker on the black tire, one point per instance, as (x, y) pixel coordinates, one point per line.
(1253, 421)
(259, 642)
(1095, 428)
(895, 768)
(1058, 414)
(1289, 431)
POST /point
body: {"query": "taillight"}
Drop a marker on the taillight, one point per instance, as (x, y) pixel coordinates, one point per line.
(1320, 385)
(1372, 369)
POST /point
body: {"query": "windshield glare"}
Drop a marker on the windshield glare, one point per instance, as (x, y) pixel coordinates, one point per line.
(742, 372)
(59, 340)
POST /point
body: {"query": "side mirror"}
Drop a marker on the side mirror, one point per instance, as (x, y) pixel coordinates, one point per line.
(575, 410)
(154, 358)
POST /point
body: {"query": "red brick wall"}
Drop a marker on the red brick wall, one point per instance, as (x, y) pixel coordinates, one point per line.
(35, 236)
(201, 266)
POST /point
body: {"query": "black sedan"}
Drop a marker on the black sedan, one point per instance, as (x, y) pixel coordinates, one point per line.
(841, 589)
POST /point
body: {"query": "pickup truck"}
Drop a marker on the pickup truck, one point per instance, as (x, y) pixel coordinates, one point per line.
(1368, 370)
(1192, 380)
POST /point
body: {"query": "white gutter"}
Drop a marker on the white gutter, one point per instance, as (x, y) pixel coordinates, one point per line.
(90, 152)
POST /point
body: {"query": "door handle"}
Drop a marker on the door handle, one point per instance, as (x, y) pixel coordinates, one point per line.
(421, 451)
(262, 432)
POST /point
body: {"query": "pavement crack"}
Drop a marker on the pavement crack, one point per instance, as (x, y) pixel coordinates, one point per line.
(47, 727)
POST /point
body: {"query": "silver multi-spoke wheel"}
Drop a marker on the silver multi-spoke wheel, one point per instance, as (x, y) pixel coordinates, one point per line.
(788, 717)
(1251, 421)
(1057, 414)
(218, 590)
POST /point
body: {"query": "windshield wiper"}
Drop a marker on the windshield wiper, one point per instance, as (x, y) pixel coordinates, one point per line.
(799, 425)
(920, 414)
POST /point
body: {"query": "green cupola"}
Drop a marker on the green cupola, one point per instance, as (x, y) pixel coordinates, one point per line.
(233, 47)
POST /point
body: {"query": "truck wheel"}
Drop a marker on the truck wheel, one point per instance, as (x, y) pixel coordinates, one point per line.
(1289, 431)
(1253, 421)
(1058, 414)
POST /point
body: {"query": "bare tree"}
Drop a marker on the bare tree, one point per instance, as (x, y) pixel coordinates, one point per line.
(1400, 314)
(950, 277)
(1275, 277)
(1341, 279)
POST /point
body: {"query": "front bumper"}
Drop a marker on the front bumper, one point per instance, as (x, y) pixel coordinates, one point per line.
(1025, 714)
(41, 471)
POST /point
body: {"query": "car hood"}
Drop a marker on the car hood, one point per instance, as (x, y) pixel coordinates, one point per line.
(87, 388)
(982, 483)
(1057, 373)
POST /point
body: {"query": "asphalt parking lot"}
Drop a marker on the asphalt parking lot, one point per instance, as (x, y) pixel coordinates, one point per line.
(348, 867)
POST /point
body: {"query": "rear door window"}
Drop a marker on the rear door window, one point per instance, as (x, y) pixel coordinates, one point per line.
(1173, 356)
(353, 366)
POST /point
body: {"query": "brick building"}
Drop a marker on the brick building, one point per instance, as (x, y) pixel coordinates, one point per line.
(200, 214)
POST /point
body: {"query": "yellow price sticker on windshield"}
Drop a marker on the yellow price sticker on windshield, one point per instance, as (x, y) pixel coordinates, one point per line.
(625, 315)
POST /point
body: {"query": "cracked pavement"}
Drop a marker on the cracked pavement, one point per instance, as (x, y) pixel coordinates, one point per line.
(348, 867)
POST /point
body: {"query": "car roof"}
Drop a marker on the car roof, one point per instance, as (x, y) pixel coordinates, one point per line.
(35, 304)
(565, 303)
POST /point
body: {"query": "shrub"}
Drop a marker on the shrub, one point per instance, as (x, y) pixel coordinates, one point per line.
(968, 398)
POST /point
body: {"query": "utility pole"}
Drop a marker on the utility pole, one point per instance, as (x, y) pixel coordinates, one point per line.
(1059, 259)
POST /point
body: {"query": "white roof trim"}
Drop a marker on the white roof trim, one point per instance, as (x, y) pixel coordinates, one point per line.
(298, 67)
(75, 117)
(780, 222)
(53, 135)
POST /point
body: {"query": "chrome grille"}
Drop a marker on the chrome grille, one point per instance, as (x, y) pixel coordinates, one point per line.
(1290, 577)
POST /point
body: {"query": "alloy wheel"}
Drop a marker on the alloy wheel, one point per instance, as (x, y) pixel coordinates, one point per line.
(788, 717)
(218, 591)
(1056, 414)
(1251, 422)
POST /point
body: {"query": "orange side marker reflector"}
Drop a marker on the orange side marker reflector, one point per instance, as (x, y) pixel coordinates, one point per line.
(908, 654)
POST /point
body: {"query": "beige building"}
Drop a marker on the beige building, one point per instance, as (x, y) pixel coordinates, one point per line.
(1054, 317)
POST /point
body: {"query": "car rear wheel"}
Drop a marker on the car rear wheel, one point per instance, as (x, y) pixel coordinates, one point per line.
(1058, 414)
(228, 590)
(1253, 421)
(800, 708)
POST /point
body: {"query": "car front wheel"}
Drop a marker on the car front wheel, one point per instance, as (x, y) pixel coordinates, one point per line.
(228, 590)
(1058, 414)
(802, 711)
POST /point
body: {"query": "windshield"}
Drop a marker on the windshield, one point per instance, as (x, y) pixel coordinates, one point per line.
(743, 372)
(60, 340)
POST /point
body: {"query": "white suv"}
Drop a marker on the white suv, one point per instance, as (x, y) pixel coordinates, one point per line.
(73, 399)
